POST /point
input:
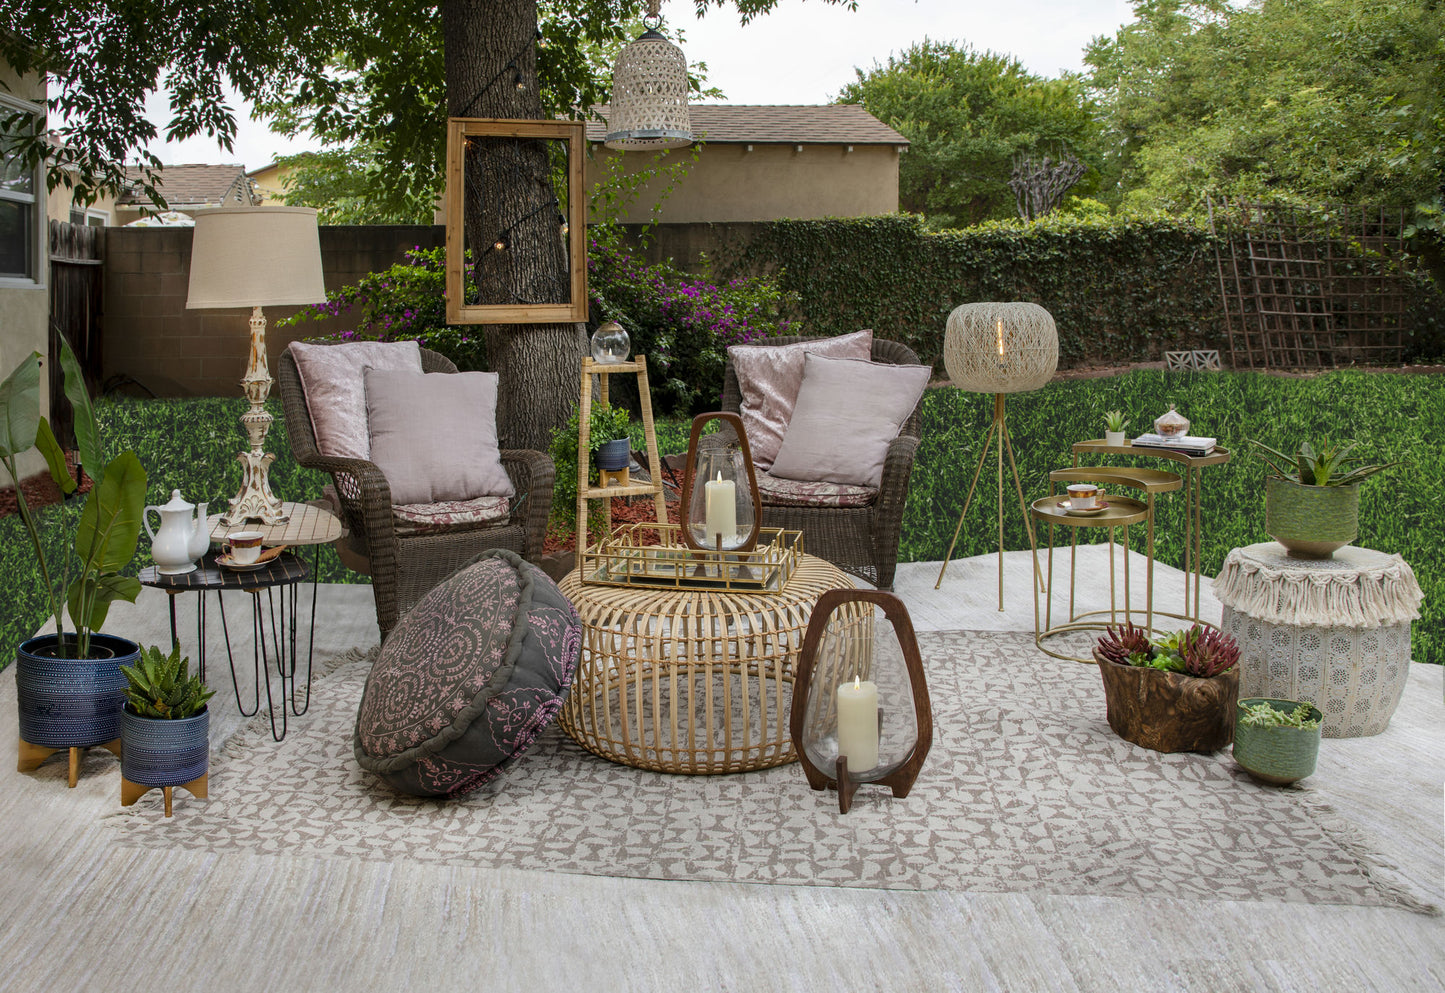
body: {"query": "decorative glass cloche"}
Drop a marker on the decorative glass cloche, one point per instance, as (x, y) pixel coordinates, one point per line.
(610, 344)
(1171, 424)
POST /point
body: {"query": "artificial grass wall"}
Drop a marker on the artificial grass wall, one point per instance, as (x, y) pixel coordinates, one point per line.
(191, 445)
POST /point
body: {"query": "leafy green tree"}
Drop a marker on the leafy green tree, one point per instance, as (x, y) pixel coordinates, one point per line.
(967, 115)
(1309, 100)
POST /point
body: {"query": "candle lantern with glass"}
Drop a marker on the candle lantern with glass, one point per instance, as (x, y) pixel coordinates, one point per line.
(719, 488)
(860, 711)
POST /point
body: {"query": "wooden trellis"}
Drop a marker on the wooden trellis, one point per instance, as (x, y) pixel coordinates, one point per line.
(1310, 289)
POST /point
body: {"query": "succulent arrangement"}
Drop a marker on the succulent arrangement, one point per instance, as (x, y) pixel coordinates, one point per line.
(1264, 715)
(1327, 465)
(1199, 651)
(1114, 420)
(162, 686)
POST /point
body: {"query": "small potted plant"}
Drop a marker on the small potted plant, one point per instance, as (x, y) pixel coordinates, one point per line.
(607, 431)
(1173, 694)
(69, 684)
(1312, 501)
(164, 729)
(1114, 424)
(1277, 741)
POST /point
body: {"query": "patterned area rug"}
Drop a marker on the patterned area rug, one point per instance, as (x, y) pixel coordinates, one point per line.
(1026, 790)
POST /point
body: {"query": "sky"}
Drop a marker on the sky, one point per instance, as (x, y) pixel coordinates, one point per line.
(800, 53)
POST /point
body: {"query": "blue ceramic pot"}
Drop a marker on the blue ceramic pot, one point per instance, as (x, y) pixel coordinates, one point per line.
(614, 455)
(71, 703)
(164, 753)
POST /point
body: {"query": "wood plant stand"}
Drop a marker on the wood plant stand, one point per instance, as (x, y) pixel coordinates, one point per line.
(131, 792)
(30, 756)
(613, 484)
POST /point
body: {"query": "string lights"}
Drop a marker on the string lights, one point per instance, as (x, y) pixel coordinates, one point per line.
(512, 67)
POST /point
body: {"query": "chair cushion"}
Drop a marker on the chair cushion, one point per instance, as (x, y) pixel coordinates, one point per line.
(812, 493)
(468, 678)
(769, 377)
(331, 375)
(428, 518)
(847, 412)
(434, 435)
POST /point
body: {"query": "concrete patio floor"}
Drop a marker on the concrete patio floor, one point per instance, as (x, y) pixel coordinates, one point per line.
(83, 914)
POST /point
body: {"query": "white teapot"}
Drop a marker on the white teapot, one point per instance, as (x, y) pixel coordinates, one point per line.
(183, 536)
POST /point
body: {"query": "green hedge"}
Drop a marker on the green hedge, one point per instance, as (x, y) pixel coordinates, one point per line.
(1394, 416)
(1121, 289)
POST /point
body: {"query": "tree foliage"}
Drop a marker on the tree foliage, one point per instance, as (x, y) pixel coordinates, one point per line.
(1309, 100)
(967, 115)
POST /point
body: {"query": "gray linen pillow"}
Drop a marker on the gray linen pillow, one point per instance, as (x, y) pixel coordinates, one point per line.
(434, 435)
(331, 376)
(769, 377)
(847, 412)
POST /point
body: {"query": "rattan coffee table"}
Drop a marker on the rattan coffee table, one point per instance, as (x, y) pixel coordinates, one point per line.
(690, 681)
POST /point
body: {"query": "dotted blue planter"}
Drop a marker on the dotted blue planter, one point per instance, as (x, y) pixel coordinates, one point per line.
(71, 703)
(614, 455)
(164, 753)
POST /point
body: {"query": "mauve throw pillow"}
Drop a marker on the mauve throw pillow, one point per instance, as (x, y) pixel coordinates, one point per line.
(847, 413)
(769, 377)
(434, 435)
(335, 397)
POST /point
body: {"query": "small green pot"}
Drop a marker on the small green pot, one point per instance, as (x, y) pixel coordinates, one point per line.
(1278, 755)
(1311, 521)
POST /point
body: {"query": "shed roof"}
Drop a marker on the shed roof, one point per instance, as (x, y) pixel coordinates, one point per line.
(822, 124)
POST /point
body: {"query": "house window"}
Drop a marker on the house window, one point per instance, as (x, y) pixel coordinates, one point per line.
(19, 214)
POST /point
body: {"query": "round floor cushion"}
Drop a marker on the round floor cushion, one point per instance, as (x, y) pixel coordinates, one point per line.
(468, 678)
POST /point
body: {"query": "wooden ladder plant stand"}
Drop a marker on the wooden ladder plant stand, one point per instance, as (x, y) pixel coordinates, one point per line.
(613, 485)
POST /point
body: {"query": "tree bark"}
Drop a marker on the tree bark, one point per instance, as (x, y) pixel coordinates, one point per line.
(487, 43)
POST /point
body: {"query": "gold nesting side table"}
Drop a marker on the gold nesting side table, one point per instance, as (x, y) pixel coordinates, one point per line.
(1122, 512)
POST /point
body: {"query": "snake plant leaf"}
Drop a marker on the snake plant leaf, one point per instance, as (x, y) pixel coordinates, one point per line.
(46, 442)
(20, 407)
(110, 524)
(87, 428)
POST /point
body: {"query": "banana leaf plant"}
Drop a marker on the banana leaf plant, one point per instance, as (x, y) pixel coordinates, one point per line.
(87, 578)
(1329, 465)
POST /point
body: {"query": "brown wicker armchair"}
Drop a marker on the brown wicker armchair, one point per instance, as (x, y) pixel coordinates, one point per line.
(859, 540)
(405, 566)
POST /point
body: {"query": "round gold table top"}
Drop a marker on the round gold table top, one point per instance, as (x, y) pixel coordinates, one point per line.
(1121, 511)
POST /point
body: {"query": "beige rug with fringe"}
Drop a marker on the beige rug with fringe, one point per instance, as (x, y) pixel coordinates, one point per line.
(1026, 790)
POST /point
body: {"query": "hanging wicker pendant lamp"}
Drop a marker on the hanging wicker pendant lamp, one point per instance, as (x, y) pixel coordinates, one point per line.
(649, 93)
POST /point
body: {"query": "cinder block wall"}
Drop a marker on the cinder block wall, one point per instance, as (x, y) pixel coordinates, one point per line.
(151, 337)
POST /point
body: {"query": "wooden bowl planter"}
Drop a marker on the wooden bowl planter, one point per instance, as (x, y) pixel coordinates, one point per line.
(1170, 711)
(164, 754)
(68, 703)
(1277, 755)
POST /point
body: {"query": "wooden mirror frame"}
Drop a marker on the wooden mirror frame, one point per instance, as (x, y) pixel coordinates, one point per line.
(901, 779)
(690, 470)
(459, 130)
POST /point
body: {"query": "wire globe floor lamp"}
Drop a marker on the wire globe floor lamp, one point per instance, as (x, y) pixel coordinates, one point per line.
(255, 257)
(998, 348)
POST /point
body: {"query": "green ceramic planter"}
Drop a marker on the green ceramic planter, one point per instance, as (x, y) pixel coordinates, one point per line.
(1278, 755)
(1311, 521)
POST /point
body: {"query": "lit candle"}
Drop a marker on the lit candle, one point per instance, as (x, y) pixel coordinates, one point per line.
(721, 517)
(998, 336)
(858, 724)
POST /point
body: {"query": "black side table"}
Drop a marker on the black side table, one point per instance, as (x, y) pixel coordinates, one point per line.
(273, 617)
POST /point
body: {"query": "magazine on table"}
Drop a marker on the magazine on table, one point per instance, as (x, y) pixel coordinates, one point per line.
(1188, 444)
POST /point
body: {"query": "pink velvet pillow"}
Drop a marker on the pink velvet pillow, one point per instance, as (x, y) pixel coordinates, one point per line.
(335, 395)
(769, 377)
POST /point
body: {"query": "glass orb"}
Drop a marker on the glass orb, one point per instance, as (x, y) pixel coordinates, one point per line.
(610, 344)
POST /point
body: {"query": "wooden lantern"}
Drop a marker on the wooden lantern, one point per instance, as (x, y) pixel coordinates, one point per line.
(860, 711)
(720, 504)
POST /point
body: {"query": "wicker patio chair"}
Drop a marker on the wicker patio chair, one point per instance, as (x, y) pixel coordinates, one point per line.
(862, 541)
(405, 566)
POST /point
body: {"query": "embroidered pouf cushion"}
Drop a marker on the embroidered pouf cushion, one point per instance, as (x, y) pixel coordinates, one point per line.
(468, 678)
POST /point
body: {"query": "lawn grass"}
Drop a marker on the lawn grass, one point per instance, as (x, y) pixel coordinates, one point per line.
(191, 445)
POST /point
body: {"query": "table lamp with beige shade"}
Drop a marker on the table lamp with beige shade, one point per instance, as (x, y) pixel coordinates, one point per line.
(998, 348)
(255, 257)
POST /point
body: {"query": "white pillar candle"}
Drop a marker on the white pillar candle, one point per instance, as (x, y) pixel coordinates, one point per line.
(721, 517)
(858, 724)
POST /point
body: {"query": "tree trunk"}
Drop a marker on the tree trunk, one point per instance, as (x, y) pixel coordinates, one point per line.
(486, 44)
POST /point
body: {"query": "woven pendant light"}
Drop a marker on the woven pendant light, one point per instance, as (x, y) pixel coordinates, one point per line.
(649, 93)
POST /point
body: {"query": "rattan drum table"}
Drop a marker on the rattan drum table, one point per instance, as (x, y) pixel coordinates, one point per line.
(690, 681)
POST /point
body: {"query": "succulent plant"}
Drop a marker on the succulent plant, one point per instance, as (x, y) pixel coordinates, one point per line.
(160, 686)
(1329, 465)
(1122, 645)
(1114, 420)
(1265, 715)
(1207, 652)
